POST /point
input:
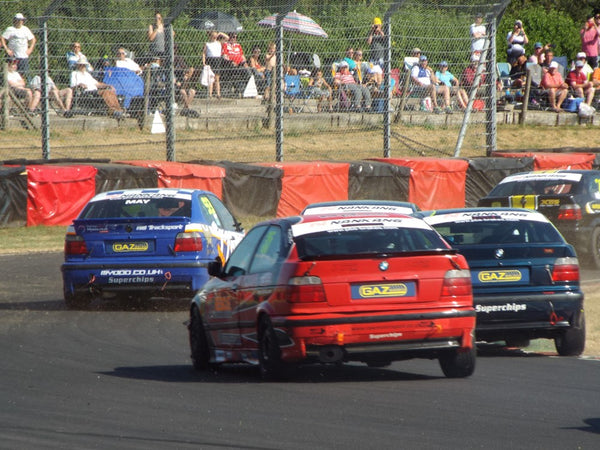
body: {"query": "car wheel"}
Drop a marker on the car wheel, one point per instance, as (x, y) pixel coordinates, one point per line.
(518, 341)
(198, 342)
(595, 248)
(77, 301)
(269, 354)
(457, 363)
(572, 341)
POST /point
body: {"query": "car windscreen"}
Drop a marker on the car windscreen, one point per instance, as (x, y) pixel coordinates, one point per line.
(147, 207)
(535, 187)
(368, 241)
(498, 232)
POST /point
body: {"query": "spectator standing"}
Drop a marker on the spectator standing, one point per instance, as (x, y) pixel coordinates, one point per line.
(270, 63)
(578, 81)
(62, 97)
(446, 77)
(557, 88)
(19, 87)
(18, 42)
(590, 36)
(123, 61)
(423, 77)
(211, 57)
(82, 79)
(478, 34)
(517, 40)
(75, 55)
(376, 41)
(156, 36)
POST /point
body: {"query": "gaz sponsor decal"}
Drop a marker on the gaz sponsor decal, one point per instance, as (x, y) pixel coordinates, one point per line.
(122, 247)
(507, 307)
(499, 276)
(369, 291)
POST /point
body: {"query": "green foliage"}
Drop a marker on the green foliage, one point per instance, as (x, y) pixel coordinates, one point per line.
(542, 25)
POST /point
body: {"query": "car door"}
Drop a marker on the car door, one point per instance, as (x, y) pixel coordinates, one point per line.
(222, 299)
(258, 284)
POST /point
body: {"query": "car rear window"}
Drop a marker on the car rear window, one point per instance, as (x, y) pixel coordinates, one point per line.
(535, 187)
(368, 241)
(147, 207)
(498, 232)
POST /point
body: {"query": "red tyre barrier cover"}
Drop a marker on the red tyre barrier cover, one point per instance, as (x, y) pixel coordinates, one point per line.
(548, 161)
(308, 182)
(184, 175)
(56, 194)
(435, 183)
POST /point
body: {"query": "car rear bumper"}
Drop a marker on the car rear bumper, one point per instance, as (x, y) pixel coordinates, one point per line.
(532, 315)
(380, 336)
(147, 279)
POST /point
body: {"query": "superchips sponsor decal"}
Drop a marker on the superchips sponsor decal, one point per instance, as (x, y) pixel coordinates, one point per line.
(500, 276)
(507, 307)
(390, 290)
(133, 276)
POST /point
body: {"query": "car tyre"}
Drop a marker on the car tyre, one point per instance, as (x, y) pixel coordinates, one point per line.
(572, 341)
(269, 353)
(458, 363)
(77, 301)
(594, 258)
(198, 341)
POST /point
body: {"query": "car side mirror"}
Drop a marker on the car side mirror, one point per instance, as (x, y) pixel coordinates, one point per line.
(215, 268)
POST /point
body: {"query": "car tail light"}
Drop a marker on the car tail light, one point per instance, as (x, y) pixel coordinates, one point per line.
(188, 242)
(306, 289)
(75, 245)
(457, 283)
(569, 212)
(566, 269)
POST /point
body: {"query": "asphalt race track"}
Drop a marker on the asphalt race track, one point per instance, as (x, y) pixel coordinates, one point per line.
(119, 376)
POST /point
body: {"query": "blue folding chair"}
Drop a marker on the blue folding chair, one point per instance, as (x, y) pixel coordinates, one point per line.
(293, 93)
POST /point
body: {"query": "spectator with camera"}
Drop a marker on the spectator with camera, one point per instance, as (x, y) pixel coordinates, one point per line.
(517, 40)
(590, 35)
(376, 42)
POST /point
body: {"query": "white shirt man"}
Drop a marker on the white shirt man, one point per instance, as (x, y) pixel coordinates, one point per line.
(18, 42)
(126, 63)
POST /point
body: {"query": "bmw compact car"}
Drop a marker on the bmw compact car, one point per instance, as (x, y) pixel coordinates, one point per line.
(570, 199)
(373, 288)
(145, 243)
(525, 276)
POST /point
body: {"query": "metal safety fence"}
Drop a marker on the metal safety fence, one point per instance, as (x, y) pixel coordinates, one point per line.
(258, 80)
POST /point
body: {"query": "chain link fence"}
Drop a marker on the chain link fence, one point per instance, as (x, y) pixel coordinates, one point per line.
(286, 107)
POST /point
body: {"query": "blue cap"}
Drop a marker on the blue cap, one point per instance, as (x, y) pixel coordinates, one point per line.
(444, 63)
(538, 45)
(423, 58)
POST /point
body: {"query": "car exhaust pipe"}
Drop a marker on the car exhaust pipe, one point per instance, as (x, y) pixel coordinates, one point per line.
(331, 354)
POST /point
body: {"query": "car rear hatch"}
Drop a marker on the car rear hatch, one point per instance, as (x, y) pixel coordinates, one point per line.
(555, 207)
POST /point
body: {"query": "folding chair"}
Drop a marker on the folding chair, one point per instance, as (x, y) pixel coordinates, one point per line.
(293, 93)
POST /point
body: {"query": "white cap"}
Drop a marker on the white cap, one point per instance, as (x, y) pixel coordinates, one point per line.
(581, 55)
(553, 65)
(19, 16)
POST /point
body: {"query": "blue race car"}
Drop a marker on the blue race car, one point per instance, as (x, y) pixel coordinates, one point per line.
(525, 276)
(142, 243)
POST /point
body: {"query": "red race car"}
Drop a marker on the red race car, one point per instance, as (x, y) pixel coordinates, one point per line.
(373, 288)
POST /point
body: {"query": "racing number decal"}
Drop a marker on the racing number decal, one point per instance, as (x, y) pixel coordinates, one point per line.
(523, 201)
(209, 207)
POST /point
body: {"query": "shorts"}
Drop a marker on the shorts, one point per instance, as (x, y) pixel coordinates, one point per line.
(216, 64)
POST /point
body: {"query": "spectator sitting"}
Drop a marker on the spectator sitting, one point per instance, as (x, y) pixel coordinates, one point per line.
(446, 77)
(424, 78)
(235, 64)
(82, 79)
(587, 69)
(548, 58)
(345, 81)
(467, 78)
(18, 42)
(539, 53)
(321, 89)
(578, 81)
(517, 40)
(75, 55)
(18, 86)
(63, 97)
(518, 72)
(366, 70)
(349, 59)
(125, 62)
(555, 86)
(258, 70)
(186, 74)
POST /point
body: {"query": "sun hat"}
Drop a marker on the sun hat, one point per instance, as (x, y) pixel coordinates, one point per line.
(519, 23)
(553, 65)
(579, 64)
(581, 55)
(423, 58)
(376, 21)
(19, 16)
(444, 64)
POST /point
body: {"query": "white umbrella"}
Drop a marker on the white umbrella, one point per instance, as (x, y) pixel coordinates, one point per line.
(296, 23)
